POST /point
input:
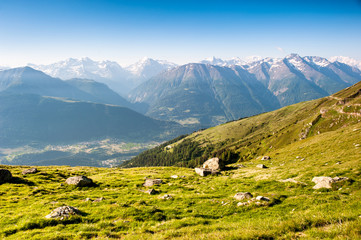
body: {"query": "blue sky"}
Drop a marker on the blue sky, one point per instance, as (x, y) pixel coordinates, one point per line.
(41, 32)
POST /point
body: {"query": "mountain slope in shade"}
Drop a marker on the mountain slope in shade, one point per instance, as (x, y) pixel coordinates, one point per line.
(29, 118)
(103, 94)
(28, 80)
(206, 94)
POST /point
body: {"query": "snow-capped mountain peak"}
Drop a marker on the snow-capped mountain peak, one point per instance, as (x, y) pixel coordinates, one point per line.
(319, 61)
(148, 67)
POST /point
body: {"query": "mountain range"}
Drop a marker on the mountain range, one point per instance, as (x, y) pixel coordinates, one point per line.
(37, 108)
(212, 94)
(120, 79)
(194, 95)
(28, 80)
(204, 94)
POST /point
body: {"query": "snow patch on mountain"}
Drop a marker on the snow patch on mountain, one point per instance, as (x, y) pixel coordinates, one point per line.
(81, 68)
(148, 67)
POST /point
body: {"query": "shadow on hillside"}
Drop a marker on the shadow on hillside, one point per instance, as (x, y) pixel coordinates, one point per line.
(18, 180)
(277, 200)
(228, 168)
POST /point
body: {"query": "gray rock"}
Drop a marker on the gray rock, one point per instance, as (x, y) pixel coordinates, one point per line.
(243, 195)
(166, 196)
(63, 212)
(150, 182)
(99, 199)
(5, 175)
(214, 164)
(79, 181)
(242, 204)
(205, 172)
(30, 171)
(261, 198)
(326, 182)
(174, 176)
(266, 158)
(261, 166)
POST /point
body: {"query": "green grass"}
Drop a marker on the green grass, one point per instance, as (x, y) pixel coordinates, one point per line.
(202, 207)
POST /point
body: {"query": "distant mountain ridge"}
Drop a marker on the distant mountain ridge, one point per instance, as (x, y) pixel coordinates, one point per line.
(111, 73)
(211, 94)
(204, 94)
(28, 80)
(123, 79)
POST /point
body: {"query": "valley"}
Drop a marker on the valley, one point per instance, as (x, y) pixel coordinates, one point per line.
(105, 153)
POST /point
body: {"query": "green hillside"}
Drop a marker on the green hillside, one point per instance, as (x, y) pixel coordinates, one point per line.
(249, 138)
(200, 207)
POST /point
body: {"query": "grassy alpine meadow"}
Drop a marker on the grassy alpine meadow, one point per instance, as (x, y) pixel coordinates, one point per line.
(199, 207)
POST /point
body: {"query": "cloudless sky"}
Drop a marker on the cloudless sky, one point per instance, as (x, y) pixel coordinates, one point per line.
(45, 31)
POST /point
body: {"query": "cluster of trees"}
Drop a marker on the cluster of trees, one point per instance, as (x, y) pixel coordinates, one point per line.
(188, 153)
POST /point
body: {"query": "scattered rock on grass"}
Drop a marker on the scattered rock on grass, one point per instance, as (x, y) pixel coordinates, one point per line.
(30, 171)
(166, 196)
(5, 175)
(174, 176)
(261, 198)
(266, 158)
(259, 201)
(243, 195)
(205, 172)
(261, 166)
(150, 182)
(79, 181)
(242, 204)
(96, 200)
(99, 199)
(63, 212)
(326, 182)
(214, 164)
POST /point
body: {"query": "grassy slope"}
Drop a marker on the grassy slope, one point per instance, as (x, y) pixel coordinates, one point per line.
(264, 133)
(202, 208)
